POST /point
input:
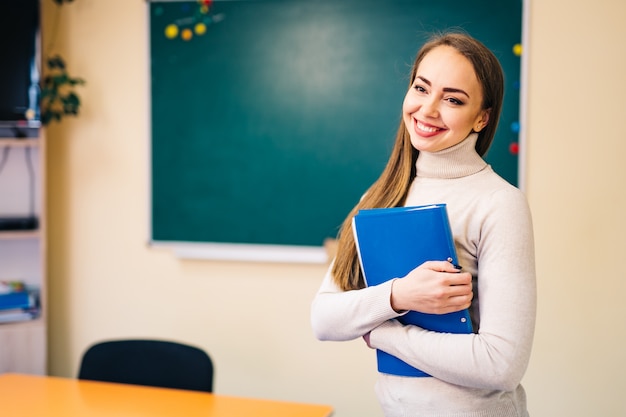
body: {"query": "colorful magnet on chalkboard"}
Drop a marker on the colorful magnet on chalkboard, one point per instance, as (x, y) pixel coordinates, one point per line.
(200, 29)
(171, 31)
(186, 34)
(205, 5)
(517, 49)
(514, 148)
(515, 127)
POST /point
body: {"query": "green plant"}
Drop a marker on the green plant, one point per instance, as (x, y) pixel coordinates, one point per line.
(57, 94)
(58, 98)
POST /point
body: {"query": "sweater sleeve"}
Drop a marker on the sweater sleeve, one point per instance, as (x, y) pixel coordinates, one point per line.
(497, 355)
(345, 315)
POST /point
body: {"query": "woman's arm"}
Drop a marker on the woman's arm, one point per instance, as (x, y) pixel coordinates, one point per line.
(434, 287)
(345, 315)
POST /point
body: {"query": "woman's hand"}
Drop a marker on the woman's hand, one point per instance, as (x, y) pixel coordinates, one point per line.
(435, 287)
(366, 337)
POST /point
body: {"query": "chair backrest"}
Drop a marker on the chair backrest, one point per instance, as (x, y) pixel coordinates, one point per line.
(148, 362)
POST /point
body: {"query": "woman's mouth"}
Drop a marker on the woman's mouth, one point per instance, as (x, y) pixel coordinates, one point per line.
(424, 128)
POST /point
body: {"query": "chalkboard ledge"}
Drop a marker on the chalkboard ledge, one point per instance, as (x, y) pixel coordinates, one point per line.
(246, 252)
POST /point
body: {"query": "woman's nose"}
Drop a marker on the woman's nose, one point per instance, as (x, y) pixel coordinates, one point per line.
(430, 107)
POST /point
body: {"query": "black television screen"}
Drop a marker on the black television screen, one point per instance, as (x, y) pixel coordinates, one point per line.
(20, 63)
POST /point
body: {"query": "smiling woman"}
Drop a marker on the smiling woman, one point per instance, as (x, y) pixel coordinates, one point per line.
(450, 113)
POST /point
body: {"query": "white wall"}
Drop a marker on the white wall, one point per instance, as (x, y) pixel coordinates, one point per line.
(253, 318)
(576, 178)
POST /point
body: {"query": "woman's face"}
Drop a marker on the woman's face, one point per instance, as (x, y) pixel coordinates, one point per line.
(444, 102)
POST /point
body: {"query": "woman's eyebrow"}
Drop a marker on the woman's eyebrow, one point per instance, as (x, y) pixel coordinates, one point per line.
(446, 89)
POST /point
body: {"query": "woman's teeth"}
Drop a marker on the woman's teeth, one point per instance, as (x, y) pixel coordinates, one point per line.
(425, 128)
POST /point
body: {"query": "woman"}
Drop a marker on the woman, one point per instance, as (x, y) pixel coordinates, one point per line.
(449, 118)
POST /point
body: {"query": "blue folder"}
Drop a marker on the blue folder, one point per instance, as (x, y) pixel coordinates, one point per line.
(393, 241)
(15, 299)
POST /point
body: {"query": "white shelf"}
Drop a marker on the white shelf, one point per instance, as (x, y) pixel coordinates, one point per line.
(23, 345)
(19, 234)
(17, 143)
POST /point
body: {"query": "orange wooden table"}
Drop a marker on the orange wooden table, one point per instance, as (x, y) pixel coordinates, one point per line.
(45, 396)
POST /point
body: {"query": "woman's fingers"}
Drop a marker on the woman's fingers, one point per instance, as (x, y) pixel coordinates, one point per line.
(434, 287)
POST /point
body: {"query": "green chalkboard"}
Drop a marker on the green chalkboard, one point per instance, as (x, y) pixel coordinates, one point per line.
(270, 118)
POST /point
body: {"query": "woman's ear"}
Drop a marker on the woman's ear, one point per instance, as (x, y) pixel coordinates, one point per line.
(482, 121)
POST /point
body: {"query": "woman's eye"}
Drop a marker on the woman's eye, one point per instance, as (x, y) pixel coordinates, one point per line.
(454, 101)
(419, 88)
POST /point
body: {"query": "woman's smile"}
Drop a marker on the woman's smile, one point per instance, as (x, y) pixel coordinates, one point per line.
(426, 129)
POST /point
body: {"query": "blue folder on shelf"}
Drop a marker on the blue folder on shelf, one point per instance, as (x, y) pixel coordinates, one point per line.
(393, 241)
(14, 300)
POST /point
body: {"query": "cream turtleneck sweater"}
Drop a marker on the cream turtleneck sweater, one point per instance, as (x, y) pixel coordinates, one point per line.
(474, 375)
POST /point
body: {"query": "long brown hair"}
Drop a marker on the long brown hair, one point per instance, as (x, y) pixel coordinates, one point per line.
(391, 188)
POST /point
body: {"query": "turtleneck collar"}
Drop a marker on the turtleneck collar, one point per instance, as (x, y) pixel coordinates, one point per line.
(460, 160)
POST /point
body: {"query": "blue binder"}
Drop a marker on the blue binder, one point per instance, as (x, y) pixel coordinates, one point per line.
(393, 241)
(15, 299)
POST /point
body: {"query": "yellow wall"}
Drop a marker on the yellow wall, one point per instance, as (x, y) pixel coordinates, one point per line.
(253, 318)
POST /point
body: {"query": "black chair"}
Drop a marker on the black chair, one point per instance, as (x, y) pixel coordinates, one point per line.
(155, 363)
